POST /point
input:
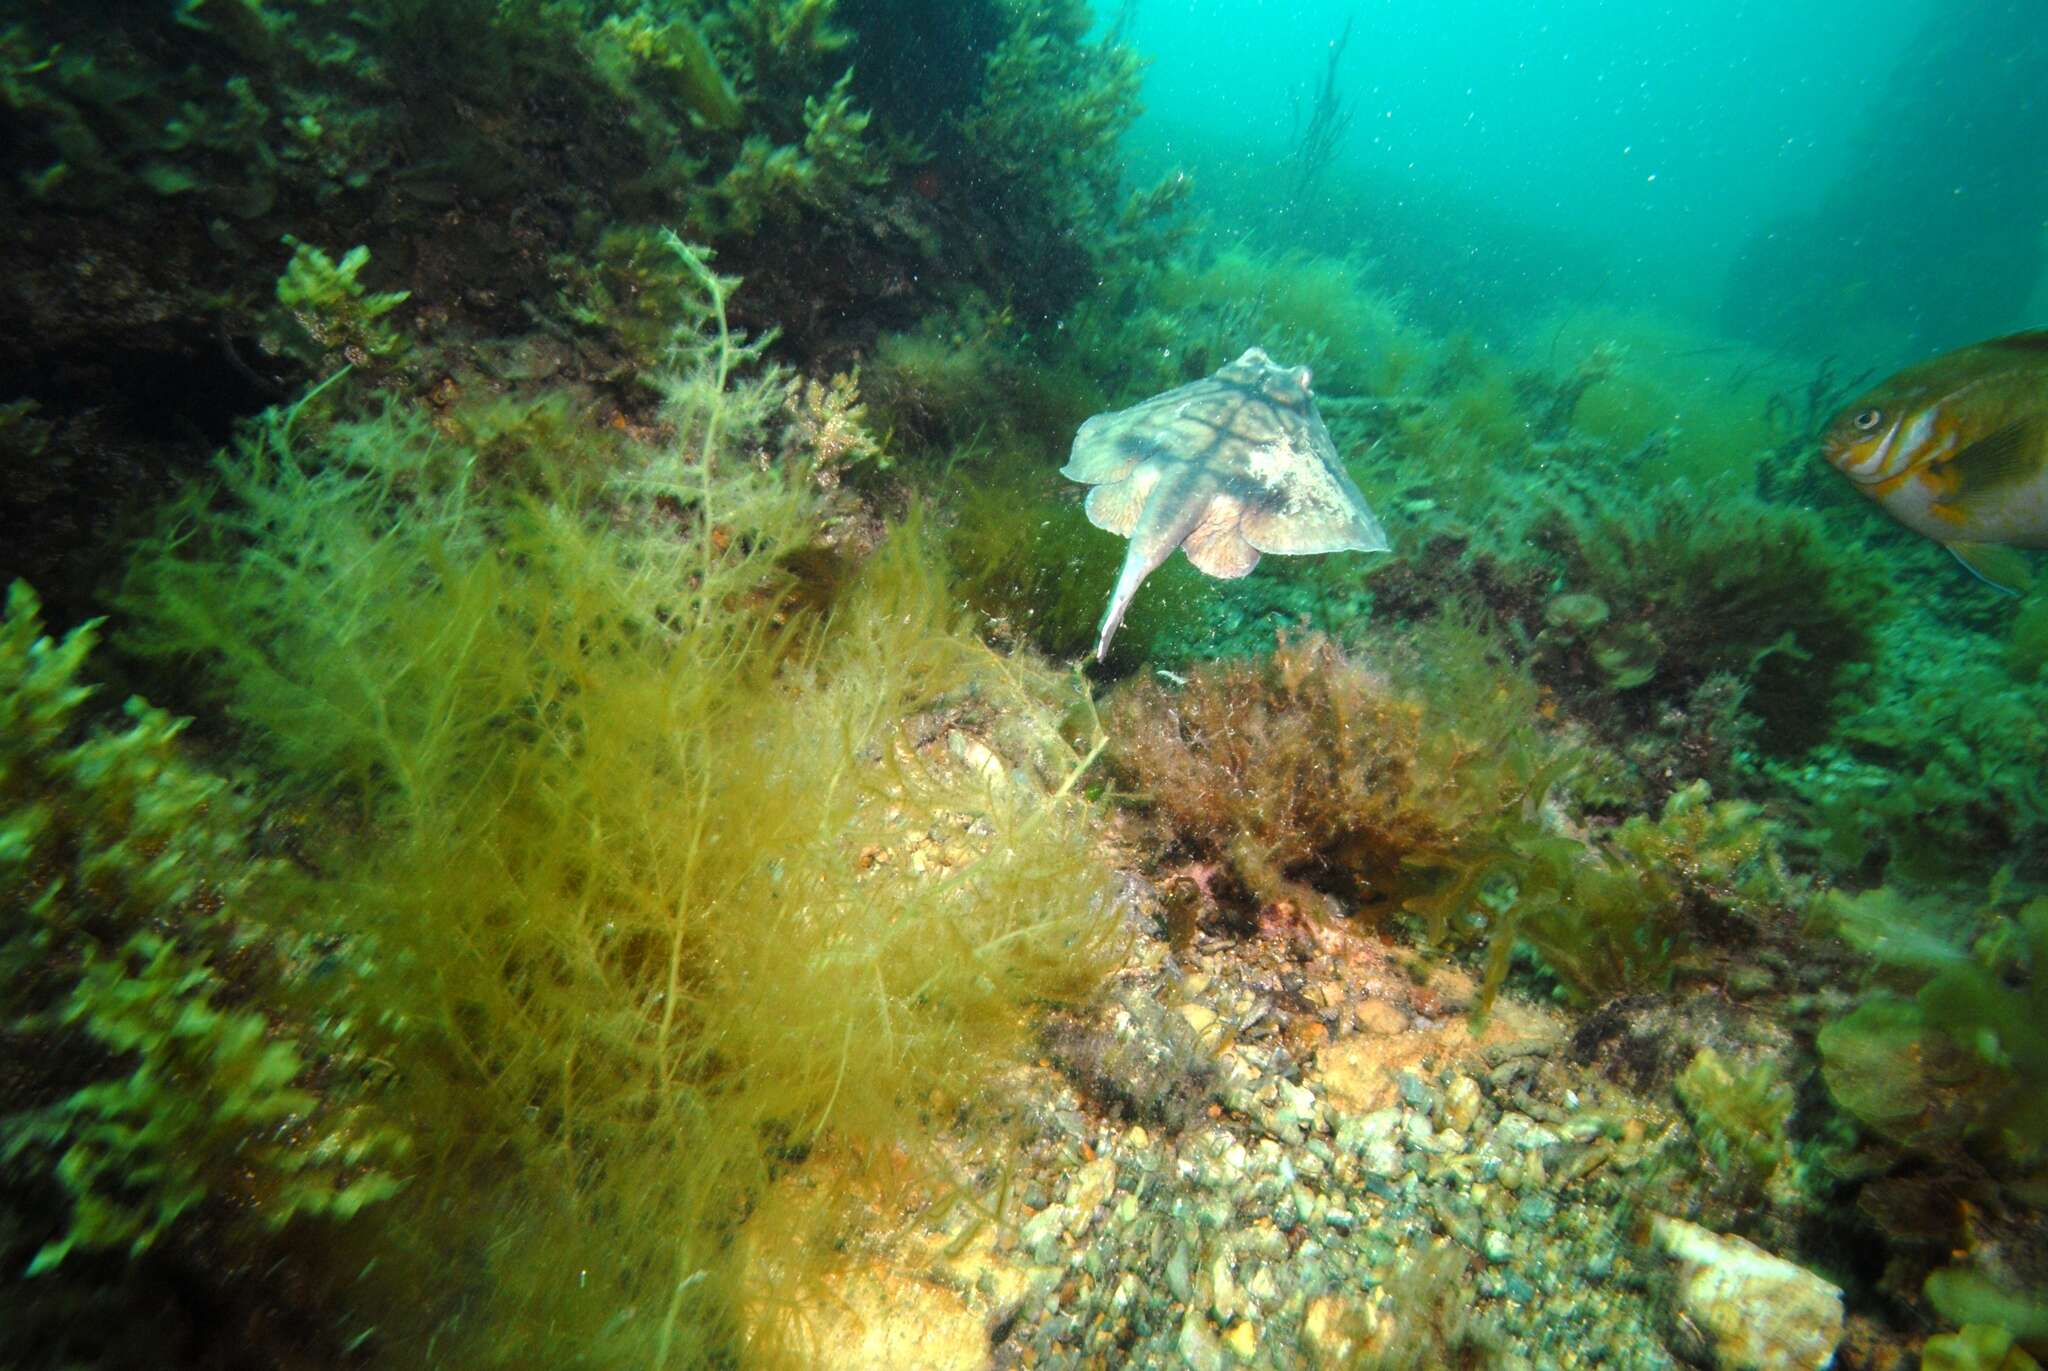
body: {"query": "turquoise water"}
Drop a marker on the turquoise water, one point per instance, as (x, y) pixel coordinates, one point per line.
(645, 847)
(1505, 155)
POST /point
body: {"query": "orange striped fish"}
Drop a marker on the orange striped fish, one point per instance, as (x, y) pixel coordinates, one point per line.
(1956, 449)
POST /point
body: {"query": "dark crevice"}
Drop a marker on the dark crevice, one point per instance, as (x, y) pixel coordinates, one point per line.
(148, 396)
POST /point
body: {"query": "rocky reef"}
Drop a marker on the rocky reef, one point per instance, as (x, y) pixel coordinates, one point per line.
(609, 856)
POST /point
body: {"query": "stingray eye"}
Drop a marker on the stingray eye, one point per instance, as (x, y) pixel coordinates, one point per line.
(1867, 420)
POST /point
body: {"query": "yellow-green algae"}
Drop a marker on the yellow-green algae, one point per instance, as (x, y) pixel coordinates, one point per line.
(610, 788)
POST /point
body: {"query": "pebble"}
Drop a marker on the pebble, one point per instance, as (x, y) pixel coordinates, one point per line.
(1202, 1020)
(1326, 1332)
(1757, 1312)
(1243, 1341)
(1414, 1092)
(1460, 1107)
(1267, 1234)
(1383, 1158)
(1415, 1130)
(1094, 1183)
(1522, 1133)
(1223, 1298)
(1041, 1235)
(1200, 1348)
(1379, 1017)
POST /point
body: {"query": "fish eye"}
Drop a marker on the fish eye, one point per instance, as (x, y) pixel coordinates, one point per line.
(1868, 419)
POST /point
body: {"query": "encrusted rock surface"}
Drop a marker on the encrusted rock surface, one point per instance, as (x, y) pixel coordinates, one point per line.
(1291, 1150)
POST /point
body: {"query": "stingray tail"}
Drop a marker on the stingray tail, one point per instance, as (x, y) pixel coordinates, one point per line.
(1138, 564)
(1111, 622)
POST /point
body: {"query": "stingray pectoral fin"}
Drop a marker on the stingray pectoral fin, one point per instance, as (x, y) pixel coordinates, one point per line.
(1310, 505)
(1309, 531)
(1217, 545)
(1117, 507)
(1106, 449)
(1313, 527)
(2000, 567)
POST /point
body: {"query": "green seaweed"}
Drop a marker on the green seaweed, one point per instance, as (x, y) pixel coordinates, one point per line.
(132, 960)
(342, 320)
(1948, 1049)
(773, 183)
(1937, 774)
(656, 61)
(668, 890)
(787, 43)
(1740, 1121)
(1030, 562)
(1626, 911)
(1710, 585)
(1976, 1347)
(2026, 645)
(1042, 137)
(632, 296)
(2000, 1326)
(1321, 312)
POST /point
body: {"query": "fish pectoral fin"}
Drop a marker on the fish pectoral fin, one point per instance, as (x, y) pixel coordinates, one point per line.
(1317, 528)
(1104, 450)
(1217, 545)
(2001, 459)
(2002, 568)
(1116, 507)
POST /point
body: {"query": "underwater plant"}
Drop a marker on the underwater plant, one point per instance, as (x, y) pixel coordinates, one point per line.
(1653, 899)
(343, 321)
(1948, 1050)
(771, 184)
(941, 384)
(1976, 1347)
(1942, 1064)
(1292, 778)
(1935, 775)
(1740, 1121)
(180, 143)
(1426, 1322)
(655, 62)
(1697, 406)
(631, 295)
(1425, 790)
(176, 1087)
(1027, 559)
(1043, 137)
(1321, 312)
(1706, 583)
(969, 377)
(685, 870)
